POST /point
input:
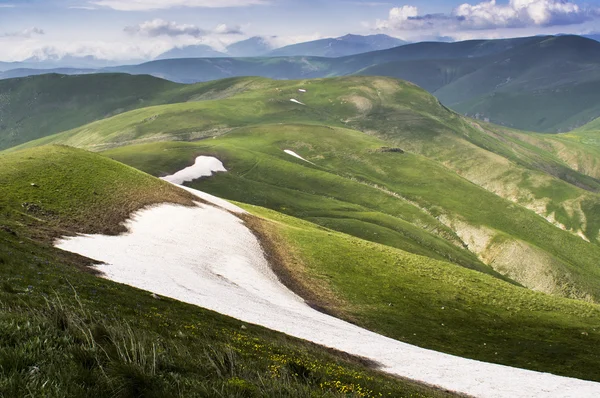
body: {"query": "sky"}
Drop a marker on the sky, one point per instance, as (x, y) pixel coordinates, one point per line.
(125, 30)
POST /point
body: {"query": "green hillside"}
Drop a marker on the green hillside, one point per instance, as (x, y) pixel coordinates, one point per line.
(433, 304)
(421, 209)
(405, 201)
(555, 80)
(193, 70)
(352, 278)
(377, 286)
(66, 332)
(38, 106)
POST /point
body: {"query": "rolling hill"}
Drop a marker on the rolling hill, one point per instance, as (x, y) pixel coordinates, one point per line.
(37, 106)
(554, 77)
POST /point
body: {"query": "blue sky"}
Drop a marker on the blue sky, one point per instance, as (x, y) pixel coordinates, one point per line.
(141, 29)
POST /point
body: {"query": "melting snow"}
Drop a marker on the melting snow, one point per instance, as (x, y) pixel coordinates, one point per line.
(297, 102)
(294, 154)
(203, 167)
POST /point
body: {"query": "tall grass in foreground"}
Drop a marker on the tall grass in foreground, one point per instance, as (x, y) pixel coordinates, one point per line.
(54, 344)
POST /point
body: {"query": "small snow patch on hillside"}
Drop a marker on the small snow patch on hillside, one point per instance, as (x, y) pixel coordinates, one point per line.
(294, 154)
(297, 102)
(203, 167)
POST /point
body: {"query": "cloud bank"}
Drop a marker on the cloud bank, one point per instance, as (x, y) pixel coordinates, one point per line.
(25, 34)
(159, 27)
(141, 5)
(490, 15)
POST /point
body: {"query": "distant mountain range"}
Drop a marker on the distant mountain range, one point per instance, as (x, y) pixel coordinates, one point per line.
(542, 83)
(252, 47)
(71, 62)
(262, 47)
(339, 47)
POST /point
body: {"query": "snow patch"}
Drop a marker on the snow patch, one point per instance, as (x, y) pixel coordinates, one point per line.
(203, 167)
(222, 203)
(301, 90)
(297, 102)
(294, 154)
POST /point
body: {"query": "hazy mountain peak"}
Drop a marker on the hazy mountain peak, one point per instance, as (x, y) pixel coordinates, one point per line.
(195, 51)
(252, 47)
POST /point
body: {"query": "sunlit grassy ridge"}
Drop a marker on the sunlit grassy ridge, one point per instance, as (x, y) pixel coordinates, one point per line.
(556, 78)
(66, 332)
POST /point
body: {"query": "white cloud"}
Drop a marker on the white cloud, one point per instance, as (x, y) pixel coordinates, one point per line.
(159, 27)
(490, 15)
(224, 29)
(25, 33)
(135, 47)
(140, 5)
(89, 8)
(56, 50)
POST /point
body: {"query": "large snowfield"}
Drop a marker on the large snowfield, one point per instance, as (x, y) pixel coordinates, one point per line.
(205, 256)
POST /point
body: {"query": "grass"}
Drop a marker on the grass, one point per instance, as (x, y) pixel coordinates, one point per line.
(66, 332)
(433, 304)
(275, 180)
(492, 78)
(39, 106)
(79, 195)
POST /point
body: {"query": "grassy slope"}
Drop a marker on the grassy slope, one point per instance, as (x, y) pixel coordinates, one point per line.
(39, 106)
(262, 174)
(556, 109)
(65, 332)
(46, 201)
(555, 79)
(415, 201)
(435, 304)
(404, 115)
